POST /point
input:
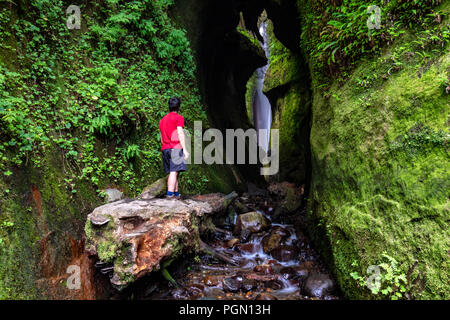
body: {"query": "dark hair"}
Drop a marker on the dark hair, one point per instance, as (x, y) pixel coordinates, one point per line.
(174, 104)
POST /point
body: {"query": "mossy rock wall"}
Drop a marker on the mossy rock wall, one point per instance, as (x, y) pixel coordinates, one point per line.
(287, 86)
(44, 232)
(380, 175)
(79, 112)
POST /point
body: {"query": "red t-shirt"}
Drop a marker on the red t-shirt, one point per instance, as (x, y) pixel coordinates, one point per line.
(168, 127)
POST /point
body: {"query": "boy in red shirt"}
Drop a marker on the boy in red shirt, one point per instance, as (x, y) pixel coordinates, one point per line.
(174, 152)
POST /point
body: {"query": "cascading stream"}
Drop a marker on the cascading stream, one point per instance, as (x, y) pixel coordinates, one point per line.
(262, 110)
(274, 262)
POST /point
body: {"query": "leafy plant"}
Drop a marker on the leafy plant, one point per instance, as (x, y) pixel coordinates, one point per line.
(418, 139)
(96, 95)
(386, 279)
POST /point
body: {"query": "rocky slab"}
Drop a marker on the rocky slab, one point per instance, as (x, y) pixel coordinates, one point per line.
(136, 237)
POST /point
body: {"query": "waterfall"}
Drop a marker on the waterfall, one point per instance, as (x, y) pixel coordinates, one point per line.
(262, 111)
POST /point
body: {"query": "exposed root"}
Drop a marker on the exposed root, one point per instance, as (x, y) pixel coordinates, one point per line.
(212, 252)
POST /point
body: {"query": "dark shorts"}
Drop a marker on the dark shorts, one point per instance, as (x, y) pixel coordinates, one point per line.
(173, 160)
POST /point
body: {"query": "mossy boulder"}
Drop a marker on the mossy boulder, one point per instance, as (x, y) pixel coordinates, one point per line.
(136, 237)
(380, 182)
(250, 222)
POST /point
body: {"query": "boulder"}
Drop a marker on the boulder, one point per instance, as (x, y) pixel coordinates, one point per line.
(137, 236)
(284, 253)
(112, 195)
(240, 207)
(271, 241)
(274, 284)
(274, 239)
(156, 189)
(254, 190)
(251, 222)
(249, 284)
(265, 296)
(231, 243)
(304, 270)
(318, 285)
(211, 281)
(247, 247)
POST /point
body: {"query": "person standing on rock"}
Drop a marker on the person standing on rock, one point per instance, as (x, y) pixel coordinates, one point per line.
(174, 152)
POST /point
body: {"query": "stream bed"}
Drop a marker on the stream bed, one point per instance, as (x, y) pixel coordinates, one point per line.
(274, 263)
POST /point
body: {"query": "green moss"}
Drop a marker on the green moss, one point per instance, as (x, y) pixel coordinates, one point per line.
(107, 250)
(368, 194)
(18, 251)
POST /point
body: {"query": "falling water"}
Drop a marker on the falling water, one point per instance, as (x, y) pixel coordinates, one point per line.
(262, 111)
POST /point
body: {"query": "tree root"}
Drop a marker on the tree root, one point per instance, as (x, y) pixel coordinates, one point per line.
(219, 230)
(210, 251)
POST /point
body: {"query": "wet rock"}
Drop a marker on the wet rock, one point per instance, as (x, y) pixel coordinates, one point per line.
(156, 189)
(142, 233)
(245, 235)
(301, 272)
(271, 241)
(284, 253)
(287, 272)
(240, 207)
(274, 284)
(180, 294)
(231, 243)
(226, 221)
(198, 286)
(273, 262)
(263, 269)
(247, 247)
(265, 296)
(112, 195)
(309, 266)
(211, 281)
(283, 232)
(194, 291)
(318, 285)
(290, 197)
(254, 190)
(251, 222)
(249, 284)
(231, 284)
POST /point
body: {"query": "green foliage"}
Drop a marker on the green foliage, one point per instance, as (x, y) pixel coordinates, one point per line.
(386, 279)
(420, 139)
(96, 93)
(379, 144)
(336, 35)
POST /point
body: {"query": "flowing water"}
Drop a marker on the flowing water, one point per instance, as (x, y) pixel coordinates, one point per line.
(280, 274)
(262, 111)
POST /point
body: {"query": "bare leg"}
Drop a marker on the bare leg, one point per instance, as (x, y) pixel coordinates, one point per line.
(172, 181)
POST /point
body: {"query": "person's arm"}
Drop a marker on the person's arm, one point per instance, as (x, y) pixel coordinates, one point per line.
(182, 139)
